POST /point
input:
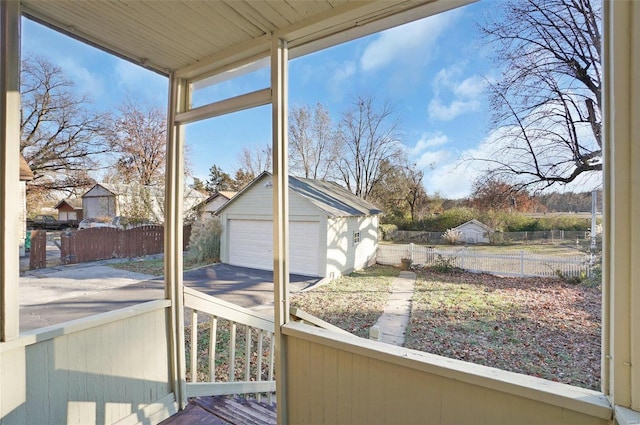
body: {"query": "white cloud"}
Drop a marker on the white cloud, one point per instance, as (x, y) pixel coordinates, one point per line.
(455, 95)
(439, 111)
(471, 87)
(85, 81)
(431, 159)
(143, 82)
(453, 175)
(406, 42)
(337, 83)
(428, 140)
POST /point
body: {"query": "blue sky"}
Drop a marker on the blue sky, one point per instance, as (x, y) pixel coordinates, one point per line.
(432, 71)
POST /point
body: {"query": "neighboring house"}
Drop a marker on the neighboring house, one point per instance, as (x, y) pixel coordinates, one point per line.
(331, 231)
(110, 200)
(25, 175)
(213, 203)
(474, 231)
(69, 209)
(99, 201)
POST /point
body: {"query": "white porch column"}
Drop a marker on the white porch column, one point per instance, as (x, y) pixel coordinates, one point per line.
(9, 167)
(173, 221)
(621, 257)
(279, 85)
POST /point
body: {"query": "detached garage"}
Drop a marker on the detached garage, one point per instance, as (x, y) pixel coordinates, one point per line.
(331, 231)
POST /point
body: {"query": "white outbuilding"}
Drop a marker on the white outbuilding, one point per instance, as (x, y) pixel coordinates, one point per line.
(331, 231)
(474, 232)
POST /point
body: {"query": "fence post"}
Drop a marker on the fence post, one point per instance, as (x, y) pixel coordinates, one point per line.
(521, 263)
(463, 252)
(411, 252)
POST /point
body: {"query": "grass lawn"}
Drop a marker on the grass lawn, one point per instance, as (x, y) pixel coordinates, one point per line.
(539, 327)
(539, 249)
(352, 302)
(155, 266)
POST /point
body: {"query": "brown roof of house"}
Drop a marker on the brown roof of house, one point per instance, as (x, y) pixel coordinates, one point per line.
(25, 170)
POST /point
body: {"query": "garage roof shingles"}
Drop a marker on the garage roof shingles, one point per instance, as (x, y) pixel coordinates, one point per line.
(329, 197)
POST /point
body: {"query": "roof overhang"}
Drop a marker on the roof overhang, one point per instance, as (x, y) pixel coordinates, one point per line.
(195, 38)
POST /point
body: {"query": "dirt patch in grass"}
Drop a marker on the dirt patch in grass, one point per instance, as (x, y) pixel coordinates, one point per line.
(539, 327)
(354, 302)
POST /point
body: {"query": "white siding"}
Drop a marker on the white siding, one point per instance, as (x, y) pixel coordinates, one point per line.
(256, 204)
(345, 256)
(97, 370)
(336, 251)
(22, 229)
(67, 215)
(473, 233)
(251, 245)
(103, 206)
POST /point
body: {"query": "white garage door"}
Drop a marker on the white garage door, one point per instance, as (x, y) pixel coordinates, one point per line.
(251, 245)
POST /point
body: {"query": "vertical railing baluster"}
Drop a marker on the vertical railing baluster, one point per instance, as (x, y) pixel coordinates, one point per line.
(194, 345)
(232, 352)
(247, 355)
(212, 348)
(259, 366)
(272, 360)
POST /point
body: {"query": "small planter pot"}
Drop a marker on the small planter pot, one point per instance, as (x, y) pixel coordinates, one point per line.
(405, 263)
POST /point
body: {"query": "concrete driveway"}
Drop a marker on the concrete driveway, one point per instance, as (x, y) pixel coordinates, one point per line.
(59, 294)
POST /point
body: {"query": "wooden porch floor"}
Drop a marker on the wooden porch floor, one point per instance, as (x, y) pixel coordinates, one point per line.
(224, 410)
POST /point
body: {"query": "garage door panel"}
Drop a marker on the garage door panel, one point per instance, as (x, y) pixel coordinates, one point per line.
(251, 245)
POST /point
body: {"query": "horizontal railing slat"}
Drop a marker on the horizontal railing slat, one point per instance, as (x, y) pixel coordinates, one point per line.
(216, 307)
(201, 389)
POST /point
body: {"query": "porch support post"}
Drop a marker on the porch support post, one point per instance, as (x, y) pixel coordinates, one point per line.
(9, 167)
(621, 268)
(279, 83)
(173, 221)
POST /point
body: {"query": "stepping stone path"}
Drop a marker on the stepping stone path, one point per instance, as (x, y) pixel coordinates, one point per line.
(391, 326)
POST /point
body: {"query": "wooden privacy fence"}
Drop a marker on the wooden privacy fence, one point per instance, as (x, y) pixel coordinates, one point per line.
(496, 262)
(103, 243)
(38, 251)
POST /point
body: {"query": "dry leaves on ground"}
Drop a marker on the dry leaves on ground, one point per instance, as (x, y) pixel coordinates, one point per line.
(354, 302)
(536, 326)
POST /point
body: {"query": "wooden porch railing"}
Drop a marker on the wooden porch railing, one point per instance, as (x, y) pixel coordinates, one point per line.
(234, 352)
(234, 349)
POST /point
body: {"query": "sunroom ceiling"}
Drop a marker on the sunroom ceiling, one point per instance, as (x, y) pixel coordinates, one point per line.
(186, 36)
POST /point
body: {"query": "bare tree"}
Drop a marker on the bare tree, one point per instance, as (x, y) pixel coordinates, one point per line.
(547, 104)
(254, 161)
(60, 132)
(400, 191)
(313, 142)
(368, 139)
(138, 142)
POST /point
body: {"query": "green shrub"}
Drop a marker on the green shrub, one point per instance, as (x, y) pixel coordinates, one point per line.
(444, 265)
(204, 243)
(386, 230)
